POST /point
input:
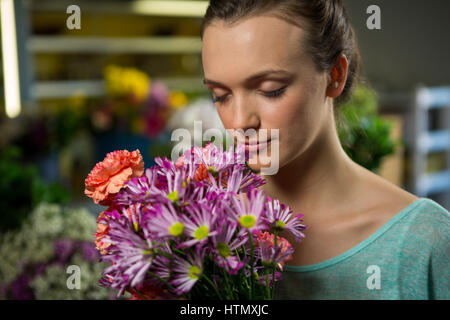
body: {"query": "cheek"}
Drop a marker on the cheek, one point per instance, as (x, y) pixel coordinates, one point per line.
(226, 117)
(292, 115)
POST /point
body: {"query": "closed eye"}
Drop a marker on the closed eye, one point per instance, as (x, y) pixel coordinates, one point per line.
(269, 94)
(275, 93)
(220, 99)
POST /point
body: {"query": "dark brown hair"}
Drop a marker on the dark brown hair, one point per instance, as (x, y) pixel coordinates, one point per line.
(328, 29)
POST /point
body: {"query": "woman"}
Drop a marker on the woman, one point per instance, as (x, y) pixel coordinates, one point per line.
(286, 65)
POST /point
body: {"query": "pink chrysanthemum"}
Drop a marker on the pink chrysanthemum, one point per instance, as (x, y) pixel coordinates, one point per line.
(280, 217)
(249, 214)
(187, 272)
(199, 223)
(225, 243)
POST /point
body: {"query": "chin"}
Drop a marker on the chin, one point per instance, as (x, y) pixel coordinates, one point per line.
(254, 166)
(265, 163)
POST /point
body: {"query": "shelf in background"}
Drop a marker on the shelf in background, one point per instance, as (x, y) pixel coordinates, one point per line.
(96, 88)
(192, 9)
(104, 45)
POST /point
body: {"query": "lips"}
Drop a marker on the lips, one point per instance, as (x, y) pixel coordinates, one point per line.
(257, 143)
(256, 146)
(252, 142)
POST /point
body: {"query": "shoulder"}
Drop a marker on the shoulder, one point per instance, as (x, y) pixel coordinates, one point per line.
(430, 220)
(381, 198)
(425, 248)
(422, 223)
(428, 209)
(417, 219)
(422, 234)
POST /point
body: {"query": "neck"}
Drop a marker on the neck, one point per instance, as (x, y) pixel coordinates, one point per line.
(318, 179)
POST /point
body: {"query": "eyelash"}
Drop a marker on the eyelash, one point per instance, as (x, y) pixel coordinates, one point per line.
(272, 94)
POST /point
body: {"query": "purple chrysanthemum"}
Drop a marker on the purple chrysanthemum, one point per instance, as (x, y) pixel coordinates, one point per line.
(280, 217)
(143, 189)
(241, 180)
(187, 272)
(164, 165)
(249, 215)
(130, 252)
(160, 271)
(215, 159)
(215, 166)
(165, 221)
(225, 243)
(177, 183)
(199, 223)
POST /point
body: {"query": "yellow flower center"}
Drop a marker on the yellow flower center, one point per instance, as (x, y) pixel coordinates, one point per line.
(201, 232)
(280, 224)
(176, 229)
(247, 221)
(194, 272)
(224, 249)
(173, 196)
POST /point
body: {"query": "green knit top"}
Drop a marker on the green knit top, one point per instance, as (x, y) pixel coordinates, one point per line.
(407, 258)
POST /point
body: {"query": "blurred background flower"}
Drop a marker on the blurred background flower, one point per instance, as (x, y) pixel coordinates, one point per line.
(126, 82)
(35, 257)
(202, 110)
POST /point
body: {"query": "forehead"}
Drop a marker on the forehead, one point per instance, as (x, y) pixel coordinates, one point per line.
(251, 44)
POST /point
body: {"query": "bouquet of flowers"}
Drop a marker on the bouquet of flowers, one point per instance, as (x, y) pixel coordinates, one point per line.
(197, 228)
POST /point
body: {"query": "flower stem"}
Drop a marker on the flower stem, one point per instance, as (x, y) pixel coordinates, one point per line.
(161, 279)
(268, 291)
(139, 293)
(252, 249)
(275, 238)
(244, 253)
(230, 291)
(183, 254)
(213, 286)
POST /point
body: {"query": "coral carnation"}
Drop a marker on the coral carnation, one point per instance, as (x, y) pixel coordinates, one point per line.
(110, 175)
(102, 231)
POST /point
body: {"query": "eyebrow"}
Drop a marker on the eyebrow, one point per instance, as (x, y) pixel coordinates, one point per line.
(252, 78)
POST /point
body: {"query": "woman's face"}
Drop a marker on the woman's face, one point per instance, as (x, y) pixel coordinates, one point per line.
(289, 96)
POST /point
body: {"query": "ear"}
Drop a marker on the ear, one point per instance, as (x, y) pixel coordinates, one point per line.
(338, 77)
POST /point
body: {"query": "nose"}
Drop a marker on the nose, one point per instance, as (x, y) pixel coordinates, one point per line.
(245, 117)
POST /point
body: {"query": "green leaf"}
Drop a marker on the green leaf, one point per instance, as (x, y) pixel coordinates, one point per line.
(364, 135)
